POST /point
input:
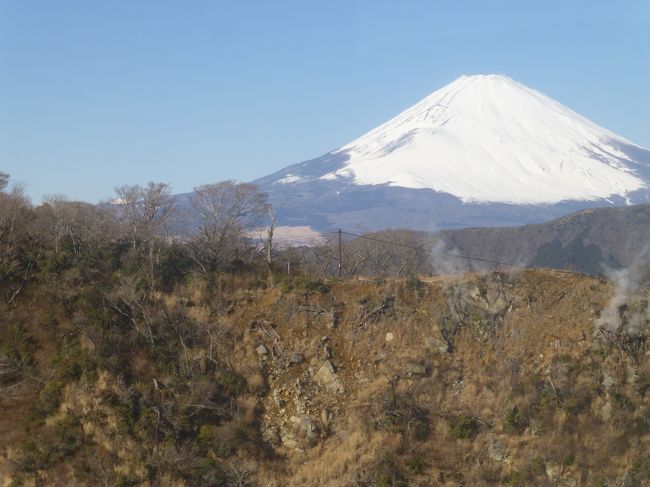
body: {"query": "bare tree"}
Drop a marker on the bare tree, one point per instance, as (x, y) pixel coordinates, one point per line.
(387, 253)
(146, 210)
(77, 225)
(147, 213)
(4, 180)
(16, 260)
(225, 210)
(129, 299)
(269, 242)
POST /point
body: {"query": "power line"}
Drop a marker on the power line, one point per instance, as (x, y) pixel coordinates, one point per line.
(405, 245)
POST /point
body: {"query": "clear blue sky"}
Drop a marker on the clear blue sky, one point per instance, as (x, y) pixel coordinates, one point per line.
(95, 94)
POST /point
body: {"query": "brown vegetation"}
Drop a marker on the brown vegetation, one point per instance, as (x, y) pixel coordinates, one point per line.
(526, 393)
(127, 365)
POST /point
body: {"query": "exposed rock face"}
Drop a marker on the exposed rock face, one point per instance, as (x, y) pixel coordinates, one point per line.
(306, 428)
(326, 377)
(456, 346)
(497, 450)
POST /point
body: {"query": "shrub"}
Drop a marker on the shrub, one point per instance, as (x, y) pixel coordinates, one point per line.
(207, 471)
(401, 415)
(419, 428)
(464, 427)
(517, 478)
(49, 398)
(621, 400)
(415, 464)
(387, 474)
(640, 468)
(317, 285)
(207, 435)
(643, 383)
(66, 439)
(641, 424)
(60, 441)
(516, 420)
(537, 466)
(233, 383)
(414, 284)
(70, 362)
(578, 400)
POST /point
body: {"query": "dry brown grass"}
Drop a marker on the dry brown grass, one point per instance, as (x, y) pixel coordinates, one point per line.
(525, 370)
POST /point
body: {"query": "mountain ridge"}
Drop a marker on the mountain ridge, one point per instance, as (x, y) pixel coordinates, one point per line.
(592, 241)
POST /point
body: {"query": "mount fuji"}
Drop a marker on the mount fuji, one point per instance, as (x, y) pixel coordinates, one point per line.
(484, 150)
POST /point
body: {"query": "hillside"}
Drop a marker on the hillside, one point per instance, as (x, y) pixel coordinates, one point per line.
(483, 379)
(589, 241)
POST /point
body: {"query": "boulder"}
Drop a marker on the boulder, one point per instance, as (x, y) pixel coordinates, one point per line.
(326, 416)
(436, 345)
(497, 451)
(306, 428)
(326, 377)
(413, 368)
(296, 358)
(608, 381)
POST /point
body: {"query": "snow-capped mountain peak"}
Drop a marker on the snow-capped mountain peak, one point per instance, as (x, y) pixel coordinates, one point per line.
(483, 150)
(489, 138)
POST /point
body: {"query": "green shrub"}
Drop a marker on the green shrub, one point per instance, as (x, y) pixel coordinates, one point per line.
(66, 439)
(317, 285)
(208, 471)
(415, 285)
(579, 400)
(537, 466)
(17, 481)
(640, 468)
(233, 383)
(57, 443)
(464, 427)
(415, 464)
(400, 415)
(387, 474)
(71, 361)
(516, 420)
(643, 383)
(518, 478)
(207, 435)
(621, 400)
(49, 398)
(146, 426)
(641, 424)
(569, 459)
(419, 429)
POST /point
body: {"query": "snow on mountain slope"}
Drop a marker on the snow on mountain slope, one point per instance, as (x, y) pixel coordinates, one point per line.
(488, 138)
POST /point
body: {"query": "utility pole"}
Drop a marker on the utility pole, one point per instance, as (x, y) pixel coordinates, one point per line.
(289, 260)
(340, 253)
(269, 243)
